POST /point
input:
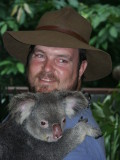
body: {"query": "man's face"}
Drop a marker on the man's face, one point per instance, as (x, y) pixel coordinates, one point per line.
(52, 68)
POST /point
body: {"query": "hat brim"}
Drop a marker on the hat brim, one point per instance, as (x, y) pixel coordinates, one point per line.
(18, 43)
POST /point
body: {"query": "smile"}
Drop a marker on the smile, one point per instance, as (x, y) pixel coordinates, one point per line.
(47, 80)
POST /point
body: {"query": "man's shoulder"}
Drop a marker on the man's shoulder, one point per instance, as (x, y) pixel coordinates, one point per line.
(84, 114)
(90, 148)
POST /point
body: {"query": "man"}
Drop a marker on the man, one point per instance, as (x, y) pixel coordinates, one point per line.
(59, 59)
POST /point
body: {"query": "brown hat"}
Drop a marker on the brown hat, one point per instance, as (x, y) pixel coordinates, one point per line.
(62, 28)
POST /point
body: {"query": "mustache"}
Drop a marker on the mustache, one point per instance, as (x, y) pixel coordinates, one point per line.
(49, 75)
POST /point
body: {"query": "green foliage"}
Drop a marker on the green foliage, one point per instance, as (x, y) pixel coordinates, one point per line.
(108, 116)
(21, 9)
(105, 20)
(8, 67)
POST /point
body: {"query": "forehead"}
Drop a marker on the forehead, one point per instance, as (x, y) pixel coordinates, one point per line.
(57, 50)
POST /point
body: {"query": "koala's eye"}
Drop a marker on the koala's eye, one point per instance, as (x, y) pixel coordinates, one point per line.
(43, 123)
(64, 120)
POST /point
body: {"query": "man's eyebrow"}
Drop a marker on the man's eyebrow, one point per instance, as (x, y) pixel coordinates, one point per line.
(65, 56)
(38, 50)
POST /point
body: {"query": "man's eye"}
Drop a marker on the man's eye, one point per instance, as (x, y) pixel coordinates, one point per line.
(63, 61)
(39, 55)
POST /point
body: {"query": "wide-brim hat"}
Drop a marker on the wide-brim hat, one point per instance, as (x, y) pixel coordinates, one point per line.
(62, 28)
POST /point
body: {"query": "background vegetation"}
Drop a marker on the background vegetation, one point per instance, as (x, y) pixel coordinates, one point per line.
(105, 19)
(107, 115)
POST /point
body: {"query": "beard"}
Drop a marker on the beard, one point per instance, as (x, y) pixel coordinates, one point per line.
(36, 86)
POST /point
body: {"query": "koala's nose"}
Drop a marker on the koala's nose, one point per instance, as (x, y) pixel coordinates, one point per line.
(57, 131)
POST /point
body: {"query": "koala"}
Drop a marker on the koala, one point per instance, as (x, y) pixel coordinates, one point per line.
(35, 127)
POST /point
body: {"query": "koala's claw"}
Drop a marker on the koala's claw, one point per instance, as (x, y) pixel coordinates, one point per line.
(97, 133)
(83, 120)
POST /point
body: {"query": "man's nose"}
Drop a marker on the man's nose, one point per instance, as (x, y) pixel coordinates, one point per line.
(48, 66)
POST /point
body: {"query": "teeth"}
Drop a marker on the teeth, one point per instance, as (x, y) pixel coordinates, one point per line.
(47, 80)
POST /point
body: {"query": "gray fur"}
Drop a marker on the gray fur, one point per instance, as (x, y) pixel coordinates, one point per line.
(24, 137)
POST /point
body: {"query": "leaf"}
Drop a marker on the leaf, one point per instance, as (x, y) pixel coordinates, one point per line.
(3, 28)
(2, 23)
(4, 71)
(74, 3)
(27, 8)
(93, 40)
(21, 15)
(102, 32)
(14, 11)
(11, 24)
(20, 67)
(6, 62)
(105, 45)
(59, 4)
(95, 21)
(98, 110)
(107, 98)
(113, 32)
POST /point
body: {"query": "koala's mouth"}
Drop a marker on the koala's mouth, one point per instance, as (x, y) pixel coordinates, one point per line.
(51, 139)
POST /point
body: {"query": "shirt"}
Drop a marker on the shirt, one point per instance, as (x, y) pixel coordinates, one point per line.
(90, 148)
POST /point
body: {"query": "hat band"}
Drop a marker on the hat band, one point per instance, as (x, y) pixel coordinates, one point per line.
(59, 29)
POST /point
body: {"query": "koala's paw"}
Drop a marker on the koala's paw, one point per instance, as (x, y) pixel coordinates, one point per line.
(87, 130)
(95, 132)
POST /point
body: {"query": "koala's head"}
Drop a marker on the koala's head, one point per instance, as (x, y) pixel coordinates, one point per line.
(44, 114)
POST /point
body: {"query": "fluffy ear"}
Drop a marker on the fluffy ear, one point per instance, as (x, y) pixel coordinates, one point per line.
(74, 102)
(21, 105)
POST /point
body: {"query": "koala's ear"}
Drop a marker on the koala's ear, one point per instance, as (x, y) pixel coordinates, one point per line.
(74, 102)
(21, 105)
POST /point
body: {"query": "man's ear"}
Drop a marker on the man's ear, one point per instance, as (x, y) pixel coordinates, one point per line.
(82, 69)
